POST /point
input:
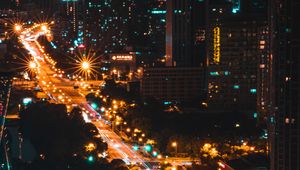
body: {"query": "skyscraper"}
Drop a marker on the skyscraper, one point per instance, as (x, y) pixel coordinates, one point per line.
(5, 87)
(285, 151)
(237, 35)
(185, 18)
(157, 27)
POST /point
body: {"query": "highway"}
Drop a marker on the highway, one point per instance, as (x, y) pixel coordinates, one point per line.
(61, 90)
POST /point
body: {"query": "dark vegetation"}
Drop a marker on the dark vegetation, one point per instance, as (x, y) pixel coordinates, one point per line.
(60, 138)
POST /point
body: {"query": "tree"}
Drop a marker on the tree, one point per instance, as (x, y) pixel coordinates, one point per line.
(56, 136)
(90, 130)
(119, 164)
(76, 116)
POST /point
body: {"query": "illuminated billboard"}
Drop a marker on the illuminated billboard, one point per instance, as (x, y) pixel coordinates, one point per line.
(69, 0)
(122, 57)
(217, 45)
(123, 62)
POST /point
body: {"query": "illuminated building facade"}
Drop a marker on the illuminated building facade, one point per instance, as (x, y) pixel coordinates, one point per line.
(173, 84)
(237, 52)
(72, 21)
(185, 33)
(107, 25)
(157, 27)
(123, 63)
(5, 87)
(285, 38)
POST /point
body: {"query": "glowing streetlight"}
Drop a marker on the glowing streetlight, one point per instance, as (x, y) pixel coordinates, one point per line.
(44, 28)
(18, 27)
(85, 65)
(32, 65)
(174, 145)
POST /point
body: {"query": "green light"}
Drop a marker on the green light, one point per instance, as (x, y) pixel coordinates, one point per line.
(254, 115)
(148, 148)
(272, 120)
(27, 101)
(236, 6)
(94, 106)
(90, 158)
(135, 147)
(154, 153)
(236, 86)
(159, 12)
(252, 90)
(215, 73)
(102, 109)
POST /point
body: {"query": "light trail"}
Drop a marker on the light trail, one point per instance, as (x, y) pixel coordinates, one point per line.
(29, 39)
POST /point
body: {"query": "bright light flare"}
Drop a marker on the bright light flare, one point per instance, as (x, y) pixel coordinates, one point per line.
(17, 27)
(85, 65)
(44, 28)
(32, 65)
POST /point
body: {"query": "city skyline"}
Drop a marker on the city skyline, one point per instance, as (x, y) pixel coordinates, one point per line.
(156, 84)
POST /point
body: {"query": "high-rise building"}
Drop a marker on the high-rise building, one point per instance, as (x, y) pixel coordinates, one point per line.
(49, 7)
(157, 27)
(107, 24)
(237, 35)
(184, 29)
(73, 16)
(285, 127)
(173, 84)
(5, 87)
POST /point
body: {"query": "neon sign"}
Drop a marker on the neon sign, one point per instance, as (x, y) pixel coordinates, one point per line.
(122, 57)
(217, 45)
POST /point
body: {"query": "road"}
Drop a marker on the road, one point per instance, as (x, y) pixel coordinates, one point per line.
(61, 91)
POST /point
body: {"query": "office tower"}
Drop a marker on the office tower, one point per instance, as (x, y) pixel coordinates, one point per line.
(107, 25)
(237, 36)
(5, 87)
(74, 19)
(157, 27)
(173, 84)
(49, 7)
(185, 20)
(285, 151)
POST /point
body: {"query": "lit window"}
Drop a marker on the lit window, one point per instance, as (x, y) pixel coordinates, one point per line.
(215, 73)
(236, 86)
(272, 120)
(252, 90)
(287, 120)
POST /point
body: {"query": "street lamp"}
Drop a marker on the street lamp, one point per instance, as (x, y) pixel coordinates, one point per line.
(85, 65)
(32, 65)
(44, 28)
(174, 145)
(17, 27)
